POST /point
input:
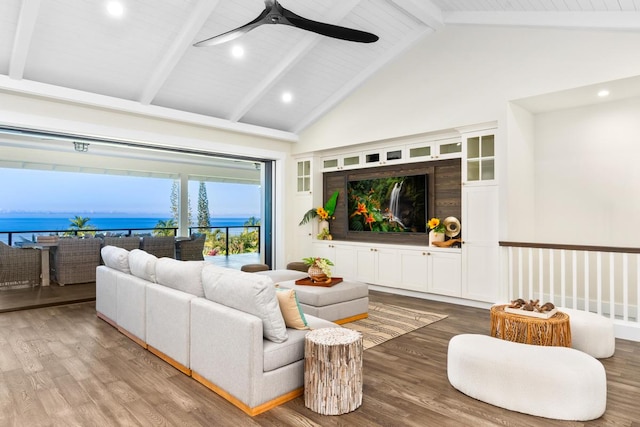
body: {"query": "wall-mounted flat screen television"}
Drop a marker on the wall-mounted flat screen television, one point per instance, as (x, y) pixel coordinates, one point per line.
(395, 204)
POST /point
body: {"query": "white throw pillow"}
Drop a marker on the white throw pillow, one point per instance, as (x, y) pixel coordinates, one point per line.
(185, 276)
(143, 265)
(116, 258)
(248, 292)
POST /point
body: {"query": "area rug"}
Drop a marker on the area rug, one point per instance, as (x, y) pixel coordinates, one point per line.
(387, 321)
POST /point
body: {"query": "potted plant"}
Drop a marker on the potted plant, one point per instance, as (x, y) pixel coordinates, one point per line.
(319, 269)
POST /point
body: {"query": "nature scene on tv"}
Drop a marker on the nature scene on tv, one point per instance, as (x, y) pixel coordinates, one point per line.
(396, 204)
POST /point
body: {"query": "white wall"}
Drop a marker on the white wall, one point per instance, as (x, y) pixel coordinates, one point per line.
(517, 194)
(463, 75)
(587, 175)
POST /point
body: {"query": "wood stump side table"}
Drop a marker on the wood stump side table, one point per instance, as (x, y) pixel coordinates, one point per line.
(333, 371)
(554, 331)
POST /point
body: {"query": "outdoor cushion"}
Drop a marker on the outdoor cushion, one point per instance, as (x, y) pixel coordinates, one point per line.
(246, 292)
(143, 265)
(184, 276)
(116, 258)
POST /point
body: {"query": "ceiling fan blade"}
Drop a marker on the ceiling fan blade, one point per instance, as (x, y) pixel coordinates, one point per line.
(274, 13)
(235, 33)
(328, 30)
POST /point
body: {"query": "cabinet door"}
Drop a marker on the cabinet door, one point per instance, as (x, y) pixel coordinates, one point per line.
(388, 267)
(449, 149)
(446, 274)
(344, 260)
(414, 265)
(330, 163)
(366, 264)
(479, 158)
(303, 233)
(323, 249)
(480, 248)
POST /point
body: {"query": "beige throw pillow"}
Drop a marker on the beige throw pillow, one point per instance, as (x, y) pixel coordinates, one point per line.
(290, 309)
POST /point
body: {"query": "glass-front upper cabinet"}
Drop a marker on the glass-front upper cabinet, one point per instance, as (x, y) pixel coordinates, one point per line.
(341, 161)
(303, 174)
(449, 148)
(384, 156)
(480, 158)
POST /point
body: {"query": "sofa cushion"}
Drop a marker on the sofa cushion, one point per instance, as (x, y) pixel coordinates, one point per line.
(279, 276)
(247, 292)
(277, 355)
(116, 258)
(185, 276)
(143, 265)
(290, 309)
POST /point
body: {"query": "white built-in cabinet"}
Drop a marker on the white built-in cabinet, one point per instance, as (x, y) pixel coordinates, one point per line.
(421, 269)
(480, 253)
(303, 201)
(447, 148)
(470, 272)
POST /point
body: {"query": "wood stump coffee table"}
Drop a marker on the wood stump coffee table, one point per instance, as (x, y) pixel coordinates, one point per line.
(555, 330)
(333, 371)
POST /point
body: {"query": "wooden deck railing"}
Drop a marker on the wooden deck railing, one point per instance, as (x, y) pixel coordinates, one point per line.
(600, 279)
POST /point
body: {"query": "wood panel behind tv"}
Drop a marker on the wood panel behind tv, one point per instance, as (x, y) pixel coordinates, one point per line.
(444, 197)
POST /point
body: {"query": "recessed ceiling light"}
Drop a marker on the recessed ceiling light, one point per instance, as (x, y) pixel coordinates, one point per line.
(237, 51)
(115, 9)
(287, 97)
(603, 93)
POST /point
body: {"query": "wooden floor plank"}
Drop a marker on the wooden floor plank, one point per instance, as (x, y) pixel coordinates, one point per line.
(61, 365)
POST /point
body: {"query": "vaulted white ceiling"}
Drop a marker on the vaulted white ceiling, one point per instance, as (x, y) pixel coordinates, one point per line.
(145, 62)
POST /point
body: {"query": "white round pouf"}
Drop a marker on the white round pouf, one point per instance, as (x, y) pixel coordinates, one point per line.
(592, 333)
(559, 382)
(333, 371)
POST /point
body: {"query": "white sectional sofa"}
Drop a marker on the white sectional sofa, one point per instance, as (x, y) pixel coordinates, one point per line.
(221, 326)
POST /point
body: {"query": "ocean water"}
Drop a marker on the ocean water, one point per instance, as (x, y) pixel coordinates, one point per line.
(28, 223)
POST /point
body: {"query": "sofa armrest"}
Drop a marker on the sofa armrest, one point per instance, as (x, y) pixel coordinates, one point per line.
(227, 349)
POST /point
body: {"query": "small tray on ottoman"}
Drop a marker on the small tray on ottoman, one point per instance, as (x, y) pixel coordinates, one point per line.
(308, 282)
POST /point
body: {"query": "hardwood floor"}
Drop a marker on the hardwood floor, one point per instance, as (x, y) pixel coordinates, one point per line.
(45, 296)
(62, 366)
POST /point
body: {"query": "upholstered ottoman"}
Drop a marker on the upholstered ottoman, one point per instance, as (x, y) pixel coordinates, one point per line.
(592, 333)
(545, 381)
(342, 303)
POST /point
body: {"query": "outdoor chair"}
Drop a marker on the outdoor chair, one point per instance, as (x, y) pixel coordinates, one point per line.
(126, 242)
(19, 267)
(192, 249)
(160, 246)
(75, 260)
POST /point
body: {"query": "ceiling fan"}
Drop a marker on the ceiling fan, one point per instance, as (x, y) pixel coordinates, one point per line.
(274, 13)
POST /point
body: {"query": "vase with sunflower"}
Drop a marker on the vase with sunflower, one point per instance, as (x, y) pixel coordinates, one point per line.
(436, 233)
(324, 215)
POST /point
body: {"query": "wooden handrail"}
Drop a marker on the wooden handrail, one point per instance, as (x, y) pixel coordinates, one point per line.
(570, 247)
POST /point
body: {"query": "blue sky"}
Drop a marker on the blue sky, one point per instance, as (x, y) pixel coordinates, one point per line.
(47, 191)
